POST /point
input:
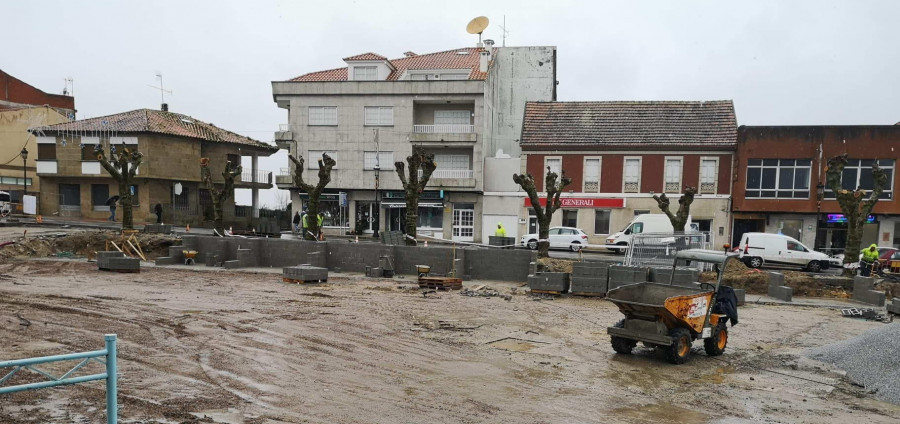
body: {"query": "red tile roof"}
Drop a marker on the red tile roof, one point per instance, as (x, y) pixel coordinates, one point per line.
(450, 59)
(155, 121)
(367, 56)
(619, 124)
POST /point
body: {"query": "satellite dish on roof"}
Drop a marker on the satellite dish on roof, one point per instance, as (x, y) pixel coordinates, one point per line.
(477, 26)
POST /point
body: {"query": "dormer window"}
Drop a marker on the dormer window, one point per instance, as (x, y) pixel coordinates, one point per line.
(365, 73)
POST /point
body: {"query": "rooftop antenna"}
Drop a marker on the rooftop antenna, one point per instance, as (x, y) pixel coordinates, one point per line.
(477, 26)
(162, 92)
(505, 32)
(69, 82)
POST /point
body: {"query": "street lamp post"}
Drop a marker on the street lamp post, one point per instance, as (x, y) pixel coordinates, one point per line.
(377, 213)
(24, 154)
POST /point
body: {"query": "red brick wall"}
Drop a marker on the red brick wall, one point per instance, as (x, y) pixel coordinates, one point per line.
(869, 142)
(15, 90)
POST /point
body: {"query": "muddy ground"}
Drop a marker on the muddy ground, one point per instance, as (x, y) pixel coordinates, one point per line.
(230, 347)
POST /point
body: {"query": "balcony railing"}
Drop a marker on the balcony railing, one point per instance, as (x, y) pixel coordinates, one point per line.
(284, 127)
(444, 129)
(261, 177)
(450, 173)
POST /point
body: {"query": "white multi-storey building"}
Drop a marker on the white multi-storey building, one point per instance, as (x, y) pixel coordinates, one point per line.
(462, 105)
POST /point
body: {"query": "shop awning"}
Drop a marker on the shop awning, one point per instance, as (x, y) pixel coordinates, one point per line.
(393, 205)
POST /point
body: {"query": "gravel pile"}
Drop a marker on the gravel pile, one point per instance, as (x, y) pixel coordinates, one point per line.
(871, 359)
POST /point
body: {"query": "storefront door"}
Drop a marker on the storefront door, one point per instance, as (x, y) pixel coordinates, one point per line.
(463, 222)
(366, 216)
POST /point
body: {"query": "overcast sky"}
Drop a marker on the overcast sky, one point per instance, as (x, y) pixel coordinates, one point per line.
(783, 63)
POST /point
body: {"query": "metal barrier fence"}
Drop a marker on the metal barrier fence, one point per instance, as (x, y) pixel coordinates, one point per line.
(109, 361)
(658, 249)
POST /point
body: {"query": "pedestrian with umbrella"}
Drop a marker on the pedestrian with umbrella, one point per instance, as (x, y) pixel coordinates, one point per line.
(112, 202)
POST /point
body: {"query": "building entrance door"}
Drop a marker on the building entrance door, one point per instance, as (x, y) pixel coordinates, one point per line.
(366, 216)
(396, 219)
(463, 222)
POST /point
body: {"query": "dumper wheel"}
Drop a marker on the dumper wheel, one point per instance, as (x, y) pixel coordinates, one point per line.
(715, 345)
(621, 345)
(678, 351)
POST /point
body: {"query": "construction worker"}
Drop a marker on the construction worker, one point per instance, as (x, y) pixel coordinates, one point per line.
(869, 257)
(304, 224)
(321, 220)
(296, 222)
(500, 232)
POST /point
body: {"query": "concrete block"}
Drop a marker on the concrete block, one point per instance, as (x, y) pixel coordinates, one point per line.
(580, 284)
(246, 257)
(158, 228)
(374, 272)
(620, 275)
(894, 306)
(124, 264)
(783, 293)
(683, 275)
(386, 263)
(863, 291)
(741, 295)
(166, 260)
(776, 279)
(532, 268)
(305, 273)
(590, 269)
(551, 281)
(211, 259)
(231, 264)
(103, 258)
(863, 283)
(501, 241)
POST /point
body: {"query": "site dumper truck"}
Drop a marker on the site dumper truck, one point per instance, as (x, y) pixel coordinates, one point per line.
(671, 317)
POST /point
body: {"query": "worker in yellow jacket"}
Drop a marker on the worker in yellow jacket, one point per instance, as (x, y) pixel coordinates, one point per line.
(500, 232)
(869, 257)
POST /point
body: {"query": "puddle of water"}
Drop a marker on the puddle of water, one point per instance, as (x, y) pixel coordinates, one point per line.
(514, 345)
(660, 413)
(717, 377)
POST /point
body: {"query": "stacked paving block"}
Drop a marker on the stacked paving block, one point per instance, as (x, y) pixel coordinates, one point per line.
(683, 276)
(590, 278)
(864, 291)
(103, 259)
(304, 274)
(393, 238)
(118, 262)
(556, 282)
(894, 306)
(620, 275)
(175, 256)
(777, 289)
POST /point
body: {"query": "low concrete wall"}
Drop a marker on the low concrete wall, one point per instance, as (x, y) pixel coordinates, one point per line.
(470, 263)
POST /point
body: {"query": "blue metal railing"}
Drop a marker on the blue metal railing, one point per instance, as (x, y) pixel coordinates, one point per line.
(109, 361)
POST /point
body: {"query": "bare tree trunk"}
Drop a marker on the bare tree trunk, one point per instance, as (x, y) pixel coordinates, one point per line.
(326, 164)
(680, 217)
(855, 205)
(220, 196)
(413, 186)
(122, 169)
(554, 185)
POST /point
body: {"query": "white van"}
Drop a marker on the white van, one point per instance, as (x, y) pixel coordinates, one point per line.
(758, 249)
(5, 206)
(645, 223)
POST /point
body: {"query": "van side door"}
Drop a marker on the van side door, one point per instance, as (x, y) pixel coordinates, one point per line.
(796, 253)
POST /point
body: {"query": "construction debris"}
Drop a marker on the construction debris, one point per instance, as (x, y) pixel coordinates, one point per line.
(483, 291)
(866, 313)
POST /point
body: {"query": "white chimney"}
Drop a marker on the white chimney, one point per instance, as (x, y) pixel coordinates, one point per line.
(483, 63)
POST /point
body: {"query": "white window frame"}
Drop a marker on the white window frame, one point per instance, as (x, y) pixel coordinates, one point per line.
(453, 162)
(778, 167)
(366, 76)
(375, 116)
(559, 172)
(325, 121)
(599, 160)
(888, 192)
(385, 160)
(715, 181)
(666, 182)
(640, 170)
(313, 156)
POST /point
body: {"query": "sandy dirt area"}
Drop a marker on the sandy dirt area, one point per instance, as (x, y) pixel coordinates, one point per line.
(237, 347)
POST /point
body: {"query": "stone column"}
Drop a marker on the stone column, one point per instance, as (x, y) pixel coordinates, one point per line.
(254, 167)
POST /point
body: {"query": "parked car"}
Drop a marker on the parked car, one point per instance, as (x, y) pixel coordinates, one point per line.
(644, 223)
(560, 238)
(759, 249)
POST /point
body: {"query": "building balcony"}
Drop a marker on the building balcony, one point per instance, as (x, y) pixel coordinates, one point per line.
(451, 178)
(249, 179)
(284, 180)
(443, 133)
(284, 137)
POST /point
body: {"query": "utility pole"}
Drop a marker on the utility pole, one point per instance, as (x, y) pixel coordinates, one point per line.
(377, 214)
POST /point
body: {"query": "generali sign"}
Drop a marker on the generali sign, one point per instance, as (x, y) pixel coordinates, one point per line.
(583, 202)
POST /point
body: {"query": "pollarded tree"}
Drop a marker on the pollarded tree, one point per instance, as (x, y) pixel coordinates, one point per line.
(680, 217)
(314, 191)
(854, 204)
(122, 168)
(554, 186)
(219, 196)
(414, 185)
